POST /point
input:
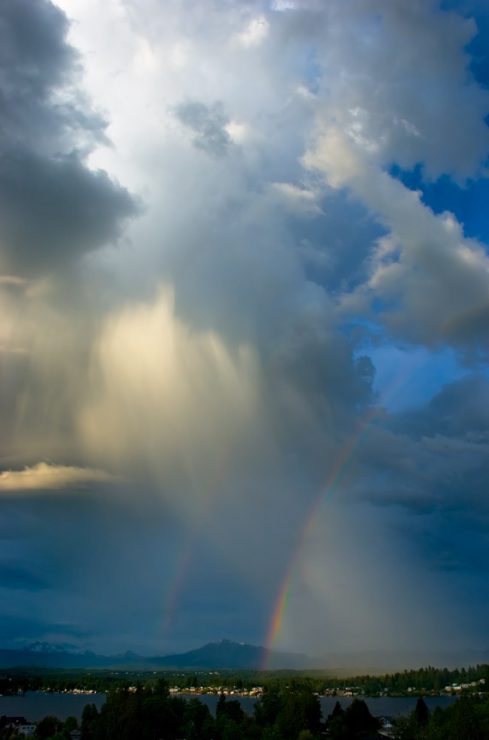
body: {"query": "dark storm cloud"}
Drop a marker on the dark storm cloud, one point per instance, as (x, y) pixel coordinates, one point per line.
(34, 56)
(52, 207)
(13, 625)
(215, 363)
(208, 124)
(432, 459)
(460, 410)
(53, 210)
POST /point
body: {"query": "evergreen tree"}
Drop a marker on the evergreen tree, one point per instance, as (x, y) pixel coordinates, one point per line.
(421, 713)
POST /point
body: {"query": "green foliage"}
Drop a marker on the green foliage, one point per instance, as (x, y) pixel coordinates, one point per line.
(89, 722)
(354, 722)
(421, 713)
(267, 709)
(465, 719)
(198, 723)
(459, 722)
(422, 680)
(300, 710)
(48, 727)
(288, 710)
(229, 709)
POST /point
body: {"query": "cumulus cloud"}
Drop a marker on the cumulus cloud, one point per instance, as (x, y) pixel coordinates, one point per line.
(392, 111)
(433, 281)
(53, 207)
(244, 387)
(55, 210)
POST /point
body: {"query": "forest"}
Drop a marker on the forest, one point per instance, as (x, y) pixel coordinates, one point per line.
(422, 680)
(289, 713)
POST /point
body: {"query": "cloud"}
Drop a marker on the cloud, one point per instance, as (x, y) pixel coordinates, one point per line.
(172, 403)
(53, 207)
(430, 281)
(297, 198)
(254, 34)
(433, 282)
(208, 123)
(460, 411)
(54, 210)
(13, 281)
(433, 459)
(383, 107)
(46, 476)
(221, 360)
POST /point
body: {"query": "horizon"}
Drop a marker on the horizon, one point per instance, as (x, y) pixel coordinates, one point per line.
(346, 664)
(244, 287)
(360, 662)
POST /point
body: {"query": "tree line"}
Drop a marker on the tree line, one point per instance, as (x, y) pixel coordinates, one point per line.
(281, 714)
(423, 680)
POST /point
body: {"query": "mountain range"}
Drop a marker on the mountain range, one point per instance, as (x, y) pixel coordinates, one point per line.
(229, 655)
(222, 655)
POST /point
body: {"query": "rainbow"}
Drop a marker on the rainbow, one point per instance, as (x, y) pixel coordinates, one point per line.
(307, 529)
(177, 585)
(326, 491)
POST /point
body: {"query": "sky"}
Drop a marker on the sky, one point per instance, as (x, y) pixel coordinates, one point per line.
(244, 289)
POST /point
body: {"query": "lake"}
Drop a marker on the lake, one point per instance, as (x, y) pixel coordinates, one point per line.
(37, 704)
(379, 706)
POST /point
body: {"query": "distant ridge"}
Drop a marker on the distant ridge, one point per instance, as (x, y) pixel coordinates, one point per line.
(229, 655)
(45, 655)
(222, 655)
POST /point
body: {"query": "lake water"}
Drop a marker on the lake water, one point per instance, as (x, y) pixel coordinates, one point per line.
(381, 706)
(35, 704)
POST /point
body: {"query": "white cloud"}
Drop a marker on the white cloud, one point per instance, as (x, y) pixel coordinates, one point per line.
(373, 88)
(238, 131)
(298, 198)
(282, 5)
(336, 156)
(254, 34)
(433, 281)
(238, 384)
